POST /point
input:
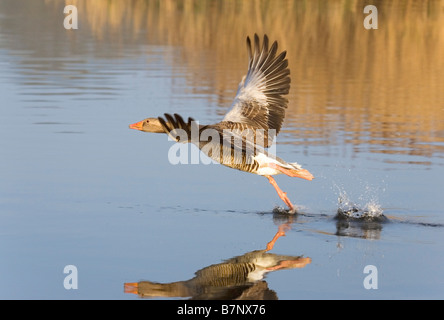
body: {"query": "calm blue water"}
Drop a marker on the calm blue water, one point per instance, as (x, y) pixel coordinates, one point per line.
(79, 188)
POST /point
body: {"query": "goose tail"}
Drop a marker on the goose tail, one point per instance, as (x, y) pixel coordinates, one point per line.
(299, 172)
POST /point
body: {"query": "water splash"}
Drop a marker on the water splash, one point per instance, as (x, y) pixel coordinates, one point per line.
(368, 207)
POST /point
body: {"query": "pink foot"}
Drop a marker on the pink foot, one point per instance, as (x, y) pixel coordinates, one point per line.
(280, 233)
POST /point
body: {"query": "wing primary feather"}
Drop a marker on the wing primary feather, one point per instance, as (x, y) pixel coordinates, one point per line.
(190, 121)
(259, 102)
(163, 124)
(180, 123)
(250, 54)
(171, 120)
(263, 53)
(256, 50)
(277, 60)
(270, 56)
(265, 44)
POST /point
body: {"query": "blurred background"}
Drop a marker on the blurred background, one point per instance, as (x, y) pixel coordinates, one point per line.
(383, 87)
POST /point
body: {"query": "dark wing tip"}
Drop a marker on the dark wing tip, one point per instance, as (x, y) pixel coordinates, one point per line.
(250, 53)
(265, 45)
(256, 44)
(169, 118)
(163, 124)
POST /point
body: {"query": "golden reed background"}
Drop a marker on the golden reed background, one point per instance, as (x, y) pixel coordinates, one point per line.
(384, 88)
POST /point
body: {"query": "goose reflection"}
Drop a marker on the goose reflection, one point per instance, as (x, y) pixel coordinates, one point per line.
(358, 223)
(240, 278)
(370, 230)
(351, 222)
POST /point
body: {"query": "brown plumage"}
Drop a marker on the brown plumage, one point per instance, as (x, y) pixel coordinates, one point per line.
(236, 278)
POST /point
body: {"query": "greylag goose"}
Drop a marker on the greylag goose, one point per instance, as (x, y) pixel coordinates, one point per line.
(240, 140)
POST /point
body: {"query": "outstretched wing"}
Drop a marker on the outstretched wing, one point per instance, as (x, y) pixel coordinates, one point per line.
(260, 102)
(222, 146)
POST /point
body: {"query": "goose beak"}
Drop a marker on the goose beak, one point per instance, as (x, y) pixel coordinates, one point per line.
(137, 125)
(131, 287)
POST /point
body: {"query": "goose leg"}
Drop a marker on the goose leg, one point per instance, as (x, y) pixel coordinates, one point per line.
(280, 233)
(282, 195)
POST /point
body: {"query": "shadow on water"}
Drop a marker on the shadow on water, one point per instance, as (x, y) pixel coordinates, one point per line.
(240, 278)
